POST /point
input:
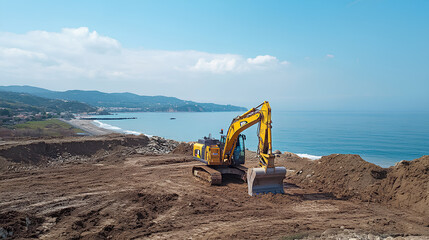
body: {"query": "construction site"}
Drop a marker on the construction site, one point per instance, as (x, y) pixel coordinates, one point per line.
(136, 187)
(152, 120)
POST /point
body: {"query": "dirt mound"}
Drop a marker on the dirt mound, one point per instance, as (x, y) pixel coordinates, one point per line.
(349, 176)
(344, 174)
(112, 148)
(183, 148)
(36, 152)
(406, 185)
(158, 145)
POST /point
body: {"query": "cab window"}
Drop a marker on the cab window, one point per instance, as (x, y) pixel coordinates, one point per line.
(197, 153)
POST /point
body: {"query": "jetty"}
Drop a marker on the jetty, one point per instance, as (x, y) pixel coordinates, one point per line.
(102, 118)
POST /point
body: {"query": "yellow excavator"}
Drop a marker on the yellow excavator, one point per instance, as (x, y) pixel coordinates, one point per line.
(226, 156)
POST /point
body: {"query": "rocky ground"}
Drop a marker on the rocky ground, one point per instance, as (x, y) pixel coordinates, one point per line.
(135, 187)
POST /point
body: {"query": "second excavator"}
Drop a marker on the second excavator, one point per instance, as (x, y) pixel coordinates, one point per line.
(226, 156)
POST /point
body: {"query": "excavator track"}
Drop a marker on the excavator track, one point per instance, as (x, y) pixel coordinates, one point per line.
(208, 174)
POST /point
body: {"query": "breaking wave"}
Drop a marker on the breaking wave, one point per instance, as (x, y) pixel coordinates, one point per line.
(117, 129)
(132, 132)
(312, 157)
(107, 126)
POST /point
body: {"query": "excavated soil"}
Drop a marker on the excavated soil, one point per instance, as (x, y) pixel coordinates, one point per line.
(125, 187)
(405, 185)
(183, 148)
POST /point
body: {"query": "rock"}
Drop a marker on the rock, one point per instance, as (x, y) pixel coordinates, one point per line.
(277, 152)
(379, 174)
(329, 232)
(402, 163)
(4, 233)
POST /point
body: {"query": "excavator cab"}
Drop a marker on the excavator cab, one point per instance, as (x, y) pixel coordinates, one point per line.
(239, 153)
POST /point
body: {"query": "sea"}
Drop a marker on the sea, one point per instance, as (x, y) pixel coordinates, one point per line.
(382, 138)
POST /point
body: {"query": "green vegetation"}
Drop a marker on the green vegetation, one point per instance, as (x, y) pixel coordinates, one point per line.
(126, 102)
(24, 102)
(48, 124)
(47, 128)
(5, 112)
(18, 108)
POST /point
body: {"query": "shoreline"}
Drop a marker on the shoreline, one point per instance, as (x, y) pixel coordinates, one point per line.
(93, 129)
(88, 126)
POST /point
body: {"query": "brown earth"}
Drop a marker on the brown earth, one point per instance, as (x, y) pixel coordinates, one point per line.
(183, 148)
(405, 185)
(127, 187)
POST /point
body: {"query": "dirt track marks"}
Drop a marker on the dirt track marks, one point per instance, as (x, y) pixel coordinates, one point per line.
(156, 197)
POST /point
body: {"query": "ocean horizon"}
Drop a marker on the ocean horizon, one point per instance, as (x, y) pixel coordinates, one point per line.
(382, 138)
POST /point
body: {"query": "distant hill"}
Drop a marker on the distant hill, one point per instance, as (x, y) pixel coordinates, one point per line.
(24, 102)
(126, 101)
(23, 89)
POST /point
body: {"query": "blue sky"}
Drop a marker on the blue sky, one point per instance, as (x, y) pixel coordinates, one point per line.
(313, 55)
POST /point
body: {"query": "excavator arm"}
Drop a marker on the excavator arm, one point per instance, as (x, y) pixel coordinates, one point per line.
(262, 115)
(267, 178)
(238, 125)
(265, 147)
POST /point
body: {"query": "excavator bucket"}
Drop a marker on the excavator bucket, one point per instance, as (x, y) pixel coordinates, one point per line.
(262, 181)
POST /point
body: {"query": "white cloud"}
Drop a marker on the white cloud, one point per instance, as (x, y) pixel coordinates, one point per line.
(77, 58)
(262, 59)
(217, 65)
(330, 56)
(18, 53)
(78, 52)
(235, 63)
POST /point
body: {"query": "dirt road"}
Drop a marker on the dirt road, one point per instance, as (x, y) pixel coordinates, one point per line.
(144, 196)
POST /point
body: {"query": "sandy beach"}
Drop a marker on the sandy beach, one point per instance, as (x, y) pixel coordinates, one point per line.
(88, 126)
